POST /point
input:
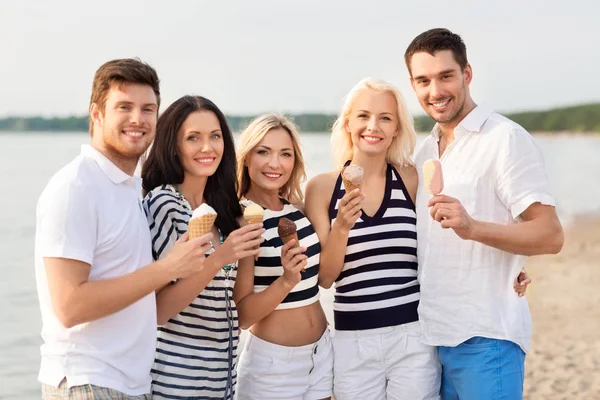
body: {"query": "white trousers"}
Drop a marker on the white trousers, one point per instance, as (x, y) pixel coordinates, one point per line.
(385, 363)
(268, 371)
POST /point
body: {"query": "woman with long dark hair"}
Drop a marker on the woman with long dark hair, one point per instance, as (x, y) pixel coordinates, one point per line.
(192, 162)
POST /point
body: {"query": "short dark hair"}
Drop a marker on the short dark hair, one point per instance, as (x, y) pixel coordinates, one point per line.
(122, 71)
(435, 40)
(163, 165)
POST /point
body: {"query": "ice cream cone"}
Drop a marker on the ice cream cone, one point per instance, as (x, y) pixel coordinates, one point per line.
(293, 236)
(348, 186)
(201, 225)
(254, 219)
(352, 176)
(253, 214)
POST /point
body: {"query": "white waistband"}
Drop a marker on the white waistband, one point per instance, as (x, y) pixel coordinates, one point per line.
(254, 343)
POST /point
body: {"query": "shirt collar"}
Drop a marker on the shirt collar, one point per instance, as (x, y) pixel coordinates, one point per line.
(113, 172)
(473, 122)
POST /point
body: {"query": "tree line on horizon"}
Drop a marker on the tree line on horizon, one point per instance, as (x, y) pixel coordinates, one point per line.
(581, 118)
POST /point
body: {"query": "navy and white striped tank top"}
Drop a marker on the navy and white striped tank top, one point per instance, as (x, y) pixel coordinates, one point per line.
(378, 285)
(268, 268)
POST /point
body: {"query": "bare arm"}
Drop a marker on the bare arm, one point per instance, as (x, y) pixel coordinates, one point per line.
(333, 239)
(77, 300)
(252, 307)
(173, 298)
(539, 232)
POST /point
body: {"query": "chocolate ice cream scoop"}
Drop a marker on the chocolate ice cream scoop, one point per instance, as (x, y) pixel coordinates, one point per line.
(286, 227)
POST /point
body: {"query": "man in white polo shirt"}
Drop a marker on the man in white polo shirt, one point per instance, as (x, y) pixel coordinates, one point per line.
(495, 209)
(93, 258)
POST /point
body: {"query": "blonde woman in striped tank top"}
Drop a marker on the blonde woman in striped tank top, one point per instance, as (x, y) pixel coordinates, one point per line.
(369, 244)
(288, 353)
(368, 239)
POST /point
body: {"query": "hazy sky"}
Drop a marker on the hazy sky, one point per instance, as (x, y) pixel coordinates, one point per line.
(292, 56)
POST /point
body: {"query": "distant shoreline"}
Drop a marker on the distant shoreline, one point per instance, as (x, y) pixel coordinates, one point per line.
(584, 119)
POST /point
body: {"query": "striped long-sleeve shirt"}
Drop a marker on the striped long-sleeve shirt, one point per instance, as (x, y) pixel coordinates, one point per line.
(194, 347)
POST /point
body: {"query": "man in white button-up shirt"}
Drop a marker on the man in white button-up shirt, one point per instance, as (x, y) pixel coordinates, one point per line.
(93, 255)
(495, 209)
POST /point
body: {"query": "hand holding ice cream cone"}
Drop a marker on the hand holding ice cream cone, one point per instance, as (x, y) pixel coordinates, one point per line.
(292, 259)
(253, 214)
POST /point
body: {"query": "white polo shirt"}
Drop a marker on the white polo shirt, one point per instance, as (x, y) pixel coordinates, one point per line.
(496, 170)
(91, 211)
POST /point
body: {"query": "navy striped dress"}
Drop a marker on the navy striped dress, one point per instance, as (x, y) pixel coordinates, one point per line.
(378, 284)
(196, 349)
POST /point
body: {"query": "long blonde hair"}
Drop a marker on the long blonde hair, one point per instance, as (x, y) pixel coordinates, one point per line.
(402, 145)
(251, 137)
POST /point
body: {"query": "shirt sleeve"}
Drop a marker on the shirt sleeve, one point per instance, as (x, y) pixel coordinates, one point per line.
(67, 222)
(521, 175)
(160, 209)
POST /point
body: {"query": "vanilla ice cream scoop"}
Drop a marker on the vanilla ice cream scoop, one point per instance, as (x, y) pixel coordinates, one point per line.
(254, 213)
(203, 210)
(202, 220)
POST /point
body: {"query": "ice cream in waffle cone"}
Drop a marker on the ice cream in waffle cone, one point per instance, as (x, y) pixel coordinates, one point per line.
(203, 218)
(286, 229)
(253, 213)
(352, 176)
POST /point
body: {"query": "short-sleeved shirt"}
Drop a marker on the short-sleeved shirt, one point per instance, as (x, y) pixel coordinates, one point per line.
(496, 170)
(91, 211)
(197, 348)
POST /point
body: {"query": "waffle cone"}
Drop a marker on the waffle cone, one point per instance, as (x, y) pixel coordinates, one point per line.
(253, 219)
(201, 225)
(286, 239)
(348, 186)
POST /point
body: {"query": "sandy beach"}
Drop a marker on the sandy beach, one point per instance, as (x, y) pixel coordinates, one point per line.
(564, 362)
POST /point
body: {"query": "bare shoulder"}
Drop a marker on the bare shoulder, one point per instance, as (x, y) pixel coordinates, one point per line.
(325, 181)
(410, 177)
(320, 188)
(299, 206)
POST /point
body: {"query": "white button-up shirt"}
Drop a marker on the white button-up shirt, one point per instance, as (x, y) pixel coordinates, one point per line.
(91, 211)
(496, 170)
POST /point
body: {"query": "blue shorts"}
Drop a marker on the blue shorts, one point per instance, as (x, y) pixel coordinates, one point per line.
(482, 368)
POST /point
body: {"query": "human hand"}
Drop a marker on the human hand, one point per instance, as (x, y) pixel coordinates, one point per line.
(293, 261)
(187, 256)
(349, 210)
(520, 285)
(241, 243)
(450, 213)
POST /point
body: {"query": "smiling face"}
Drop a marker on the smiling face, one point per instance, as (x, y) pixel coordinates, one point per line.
(442, 87)
(128, 122)
(271, 163)
(200, 144)
(373, 122)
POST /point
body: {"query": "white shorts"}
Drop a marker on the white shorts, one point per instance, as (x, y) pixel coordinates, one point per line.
(271, 371)
(385, 363)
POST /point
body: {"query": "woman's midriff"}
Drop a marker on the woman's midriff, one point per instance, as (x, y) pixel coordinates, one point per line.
(292, 327)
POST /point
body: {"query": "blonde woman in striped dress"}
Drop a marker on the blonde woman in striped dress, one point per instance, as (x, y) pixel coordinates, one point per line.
(288, 353)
